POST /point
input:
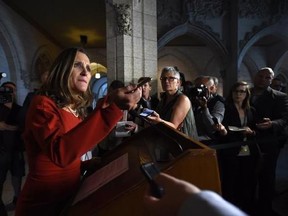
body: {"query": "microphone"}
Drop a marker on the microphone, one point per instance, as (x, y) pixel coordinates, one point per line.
(161, 154)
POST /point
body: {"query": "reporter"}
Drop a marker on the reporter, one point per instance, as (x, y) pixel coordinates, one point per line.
(239, 164)
(184, 199)
(56, 134)
(206, 108)
(11, 145)
(174, 108)
(272, 116)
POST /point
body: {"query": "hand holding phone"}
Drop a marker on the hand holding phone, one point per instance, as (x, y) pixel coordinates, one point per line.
(150, 171)
(264, 124)
(146, 112)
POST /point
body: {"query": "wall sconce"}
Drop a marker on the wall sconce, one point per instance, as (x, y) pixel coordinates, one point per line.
(97, 69)
(97, 75)
(83, 40)
(2, 75)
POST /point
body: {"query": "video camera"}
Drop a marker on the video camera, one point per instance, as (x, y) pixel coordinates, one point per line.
(199, 92)
(6, 95)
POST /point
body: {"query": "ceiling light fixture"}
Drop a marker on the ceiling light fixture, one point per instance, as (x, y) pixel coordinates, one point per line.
(2, 75)
(83, 40)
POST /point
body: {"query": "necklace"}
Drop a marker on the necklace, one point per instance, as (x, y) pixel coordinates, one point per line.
(74, 112)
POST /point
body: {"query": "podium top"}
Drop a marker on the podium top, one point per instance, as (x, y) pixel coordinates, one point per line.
(119, 170)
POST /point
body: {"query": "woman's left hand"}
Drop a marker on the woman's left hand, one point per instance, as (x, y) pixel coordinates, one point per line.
(248, 131)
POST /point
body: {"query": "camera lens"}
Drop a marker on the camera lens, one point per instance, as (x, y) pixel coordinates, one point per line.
(199, 92)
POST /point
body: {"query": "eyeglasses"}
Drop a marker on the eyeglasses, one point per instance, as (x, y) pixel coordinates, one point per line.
(170, 79)
(239, 91)
(80, 66)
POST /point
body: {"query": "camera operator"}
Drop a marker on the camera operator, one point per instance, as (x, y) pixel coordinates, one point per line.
(208, 108)
(11, 147)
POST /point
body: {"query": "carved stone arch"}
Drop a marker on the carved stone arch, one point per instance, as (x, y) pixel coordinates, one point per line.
(41, 63)
(11, 54)
(179, 59)
(272, 30)
(283, 75)
(251, 65)
(279, 69)
(189, 29)
(182, 57)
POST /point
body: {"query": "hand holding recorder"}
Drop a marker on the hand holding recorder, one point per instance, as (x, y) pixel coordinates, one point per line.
(176, 191)
(183, 198)
(150, 171)
(140, 84)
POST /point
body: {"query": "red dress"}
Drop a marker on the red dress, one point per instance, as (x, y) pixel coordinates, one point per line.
(55, 140)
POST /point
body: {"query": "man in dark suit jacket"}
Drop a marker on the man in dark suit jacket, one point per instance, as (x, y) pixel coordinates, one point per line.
(272, 111)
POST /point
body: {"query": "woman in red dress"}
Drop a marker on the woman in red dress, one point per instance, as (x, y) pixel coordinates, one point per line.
(56, 137)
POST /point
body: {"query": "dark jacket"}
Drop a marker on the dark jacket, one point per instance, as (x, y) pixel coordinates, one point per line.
(274, 105)
(10, 140)
(153, 103)
(231, 118)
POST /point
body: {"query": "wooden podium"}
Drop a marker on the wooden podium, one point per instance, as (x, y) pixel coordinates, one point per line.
(121, 186)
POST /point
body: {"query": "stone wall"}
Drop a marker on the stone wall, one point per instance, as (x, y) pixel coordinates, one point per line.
(21, 46)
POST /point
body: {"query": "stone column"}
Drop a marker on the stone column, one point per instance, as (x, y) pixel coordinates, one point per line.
(131, 39)
(231, 73)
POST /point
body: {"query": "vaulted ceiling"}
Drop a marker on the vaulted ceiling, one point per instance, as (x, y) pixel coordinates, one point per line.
(63, 21)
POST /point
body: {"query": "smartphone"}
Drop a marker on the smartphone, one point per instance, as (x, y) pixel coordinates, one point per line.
(145, 80)
(150, 171)
(146, 112)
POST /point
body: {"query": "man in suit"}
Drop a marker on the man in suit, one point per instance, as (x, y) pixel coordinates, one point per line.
(272, 111)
